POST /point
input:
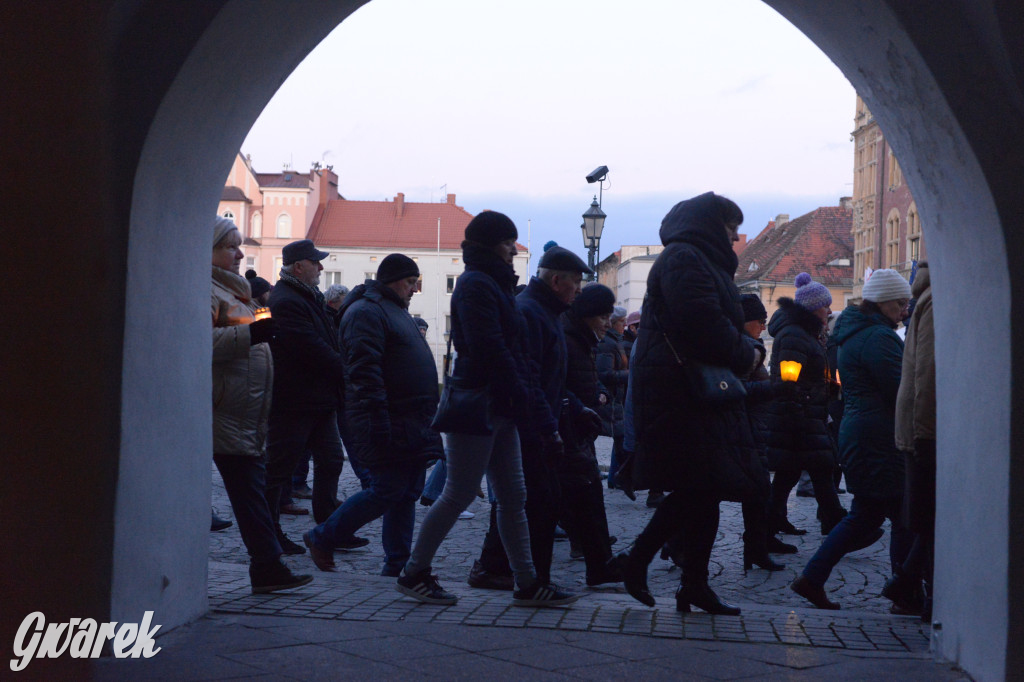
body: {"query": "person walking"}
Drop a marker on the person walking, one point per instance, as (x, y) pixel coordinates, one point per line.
(870, 365)
(700, 450)
(390, 400)
(487, 335)
(798, 438)
(613, 373)
(243, 372)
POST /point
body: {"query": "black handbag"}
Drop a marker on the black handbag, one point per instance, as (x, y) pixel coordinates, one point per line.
(462, 409)
(709, 383)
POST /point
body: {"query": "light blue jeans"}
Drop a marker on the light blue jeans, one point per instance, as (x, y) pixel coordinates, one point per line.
(468, 459)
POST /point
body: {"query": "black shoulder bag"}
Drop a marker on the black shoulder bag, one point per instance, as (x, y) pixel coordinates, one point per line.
(462, 409)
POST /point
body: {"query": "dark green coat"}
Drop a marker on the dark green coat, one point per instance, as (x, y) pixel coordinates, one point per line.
(870, 364)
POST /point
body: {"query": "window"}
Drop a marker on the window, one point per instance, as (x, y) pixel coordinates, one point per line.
(892, 239)
(895, 173)
(250, 262)
(278, 264)
(257, 226)
(419, 285)
(450, 286)
(455, 261)
(913, 234)
(370, 275)
(331, 278)
(228, 214)
(284, 226)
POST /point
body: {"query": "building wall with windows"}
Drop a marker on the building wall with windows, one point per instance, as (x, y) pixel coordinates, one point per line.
(887, 231)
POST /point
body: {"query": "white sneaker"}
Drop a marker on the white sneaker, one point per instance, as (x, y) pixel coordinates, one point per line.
(466, 515)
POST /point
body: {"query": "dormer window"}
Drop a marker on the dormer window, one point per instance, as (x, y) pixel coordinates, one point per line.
(839, 262)
(753, 267)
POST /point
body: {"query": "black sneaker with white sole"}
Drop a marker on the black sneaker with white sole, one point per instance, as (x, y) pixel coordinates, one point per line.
(425, 588)
(543, 594)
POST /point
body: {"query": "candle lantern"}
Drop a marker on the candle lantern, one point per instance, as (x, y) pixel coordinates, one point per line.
(790, 370)
(261, 313)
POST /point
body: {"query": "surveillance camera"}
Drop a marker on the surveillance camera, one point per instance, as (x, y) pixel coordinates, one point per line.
(598, 174)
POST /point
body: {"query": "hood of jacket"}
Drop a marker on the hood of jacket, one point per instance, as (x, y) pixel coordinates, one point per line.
(789, 313)
(922, 281)
(853, 321)
(699, 221)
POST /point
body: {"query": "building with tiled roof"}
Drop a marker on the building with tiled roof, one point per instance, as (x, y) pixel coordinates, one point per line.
(357, 235)
(819, 243)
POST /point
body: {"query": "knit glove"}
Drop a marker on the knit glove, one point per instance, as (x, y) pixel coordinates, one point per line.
(262, 331)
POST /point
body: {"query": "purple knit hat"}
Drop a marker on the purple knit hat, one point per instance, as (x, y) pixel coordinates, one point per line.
(811, 295)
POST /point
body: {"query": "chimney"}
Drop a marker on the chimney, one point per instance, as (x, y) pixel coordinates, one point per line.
(328, 181)
(846, 202)
(399, 203)
(781, 219)
(451, 199)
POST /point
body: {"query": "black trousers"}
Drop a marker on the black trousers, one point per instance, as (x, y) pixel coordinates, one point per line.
(830, 511)
(584, 519)
(542, 508)
(692, 518)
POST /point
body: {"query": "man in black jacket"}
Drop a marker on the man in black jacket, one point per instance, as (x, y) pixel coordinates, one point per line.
(390, 400)
(549, 294)
(308, 377)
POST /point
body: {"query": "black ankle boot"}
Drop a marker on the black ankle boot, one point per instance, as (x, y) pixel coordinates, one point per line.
(787, 528)
(704, 598)
(752, 557)
(634, 576)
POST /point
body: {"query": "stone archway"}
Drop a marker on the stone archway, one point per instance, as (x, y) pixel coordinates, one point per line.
(160, 97)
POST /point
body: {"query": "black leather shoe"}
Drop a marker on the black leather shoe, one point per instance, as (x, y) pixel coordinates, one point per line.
(634, 577)
(787, 528)
(485, 580)
(813, 593)
(289, 547)
(274, 577)
(352, 542)
(777, 546)
(217, 523)
(759, 559)
(704, 598)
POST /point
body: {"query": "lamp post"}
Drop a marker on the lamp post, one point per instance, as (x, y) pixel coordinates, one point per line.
(592, 227)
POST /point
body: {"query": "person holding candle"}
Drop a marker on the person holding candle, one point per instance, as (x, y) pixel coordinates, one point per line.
(870, 364)
(243, 372)
(798, 438)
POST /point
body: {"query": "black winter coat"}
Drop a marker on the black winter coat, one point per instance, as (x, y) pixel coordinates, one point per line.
(391, 379)
(691, 298)
(580, 462)
(613, 373)
(309, 374)
(798, 418)
(544, 342)
(487, 332)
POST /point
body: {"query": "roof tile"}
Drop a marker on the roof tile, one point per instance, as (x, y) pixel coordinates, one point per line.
(806, 244)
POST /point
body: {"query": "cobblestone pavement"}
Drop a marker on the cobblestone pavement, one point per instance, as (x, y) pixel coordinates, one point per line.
(855, 583)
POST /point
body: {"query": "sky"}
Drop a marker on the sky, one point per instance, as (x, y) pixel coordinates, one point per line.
(510, 105)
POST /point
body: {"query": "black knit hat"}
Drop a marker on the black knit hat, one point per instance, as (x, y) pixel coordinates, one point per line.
(258, 285)
(594, 300)
(490, 228)
(396, 266)
(753, 309)
(560, 258)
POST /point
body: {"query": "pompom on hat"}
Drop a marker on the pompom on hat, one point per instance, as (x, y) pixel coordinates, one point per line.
(886, 285)
(811, 295)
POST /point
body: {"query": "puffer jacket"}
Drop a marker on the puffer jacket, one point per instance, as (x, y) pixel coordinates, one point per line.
(580, 462)
(390, 379)
(691, 300)
(915, 402)
(798, 416)
(870, 364)
(243, 374)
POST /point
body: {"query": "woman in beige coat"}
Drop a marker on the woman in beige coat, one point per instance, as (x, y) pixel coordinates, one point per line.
(243, 373)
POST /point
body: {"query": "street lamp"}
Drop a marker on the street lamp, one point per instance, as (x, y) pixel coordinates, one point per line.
(592, 227)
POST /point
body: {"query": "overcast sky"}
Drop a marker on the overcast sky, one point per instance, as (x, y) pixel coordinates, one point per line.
(510, 105)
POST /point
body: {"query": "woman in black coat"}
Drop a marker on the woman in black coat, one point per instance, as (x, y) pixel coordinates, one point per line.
(701, 451)
(798, 437)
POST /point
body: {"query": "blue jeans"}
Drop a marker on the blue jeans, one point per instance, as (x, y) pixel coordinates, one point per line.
(867, 514)
(244, 479)
(291, 436)
(435, 482)
(393, 491)
(468, 459)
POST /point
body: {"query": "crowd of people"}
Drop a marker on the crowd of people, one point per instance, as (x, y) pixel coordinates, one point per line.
(697, 411)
